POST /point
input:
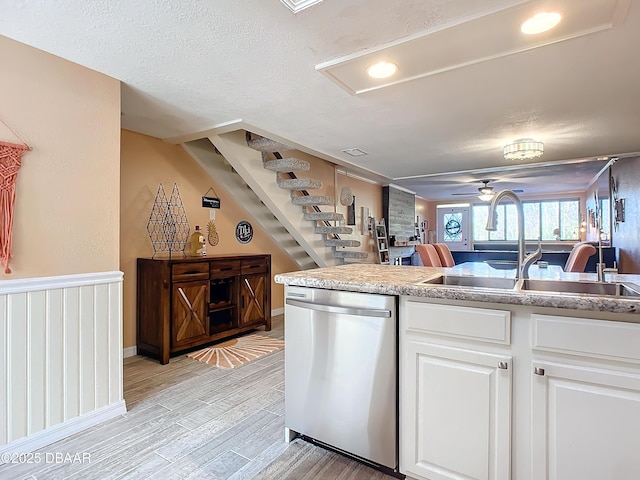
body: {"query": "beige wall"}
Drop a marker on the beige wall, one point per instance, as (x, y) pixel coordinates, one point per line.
(147, 162)
(426, 211)
(366, 195)
(66, 217)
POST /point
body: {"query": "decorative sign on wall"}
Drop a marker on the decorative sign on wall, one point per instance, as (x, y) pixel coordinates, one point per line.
(351, 211)
(244, 232)
(366, 222)
(618, 205)
(211, 202)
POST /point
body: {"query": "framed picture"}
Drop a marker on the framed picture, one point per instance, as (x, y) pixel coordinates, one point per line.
(351, 212)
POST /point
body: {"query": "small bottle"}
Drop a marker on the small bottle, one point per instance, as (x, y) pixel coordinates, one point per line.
(197, 243)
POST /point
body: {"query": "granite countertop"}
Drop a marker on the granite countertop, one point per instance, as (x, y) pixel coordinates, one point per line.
(401, 280)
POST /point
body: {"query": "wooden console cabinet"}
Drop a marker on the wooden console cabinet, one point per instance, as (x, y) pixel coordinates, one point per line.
(188, 302)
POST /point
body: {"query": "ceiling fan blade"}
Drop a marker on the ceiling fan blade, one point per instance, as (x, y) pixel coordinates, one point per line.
(517, 190)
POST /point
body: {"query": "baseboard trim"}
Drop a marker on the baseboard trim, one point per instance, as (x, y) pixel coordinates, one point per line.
(129, 352)
(53, 434)
(277, 311)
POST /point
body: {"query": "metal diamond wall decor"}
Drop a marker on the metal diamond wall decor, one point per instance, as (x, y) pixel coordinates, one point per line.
(168, 226)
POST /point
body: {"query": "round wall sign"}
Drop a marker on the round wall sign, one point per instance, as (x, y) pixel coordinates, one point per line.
(244, 232)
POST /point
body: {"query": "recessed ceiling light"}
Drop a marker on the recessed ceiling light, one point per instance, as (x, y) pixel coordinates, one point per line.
(540, 22)
(382, 69)
(354, 152)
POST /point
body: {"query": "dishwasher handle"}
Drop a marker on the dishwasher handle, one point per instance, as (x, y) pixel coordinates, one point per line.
(362, 312)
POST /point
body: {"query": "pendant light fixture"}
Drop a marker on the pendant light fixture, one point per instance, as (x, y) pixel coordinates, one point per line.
(486, 192)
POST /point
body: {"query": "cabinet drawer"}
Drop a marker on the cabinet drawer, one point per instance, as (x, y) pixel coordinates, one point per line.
(224, 268)
(258, 265)
(181, 272)
(481, 324)
(587, 337)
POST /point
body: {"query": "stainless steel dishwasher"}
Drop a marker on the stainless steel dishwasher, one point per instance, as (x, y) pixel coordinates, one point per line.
(341, 371)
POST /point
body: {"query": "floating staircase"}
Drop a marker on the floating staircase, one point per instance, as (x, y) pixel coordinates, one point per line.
(285, 169)
(205, 154)
(275, 203)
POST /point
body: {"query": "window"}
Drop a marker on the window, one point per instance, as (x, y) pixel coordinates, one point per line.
(605, 209)
(452, 227)
(544, 220)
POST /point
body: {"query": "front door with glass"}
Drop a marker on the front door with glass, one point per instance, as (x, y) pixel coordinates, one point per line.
(453, 227)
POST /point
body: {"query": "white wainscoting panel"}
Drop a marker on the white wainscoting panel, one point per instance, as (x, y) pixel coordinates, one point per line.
(60, 353)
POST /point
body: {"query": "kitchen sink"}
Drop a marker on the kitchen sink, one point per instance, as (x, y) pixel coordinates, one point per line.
(589, 288)
(502, 264)
(470, 281)
(620, 289)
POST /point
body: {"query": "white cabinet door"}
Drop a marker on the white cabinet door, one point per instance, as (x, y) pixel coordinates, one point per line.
(585, 423)
(455, 413)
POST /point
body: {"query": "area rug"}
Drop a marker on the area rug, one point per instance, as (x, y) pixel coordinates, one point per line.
(237, 351)
(303, 460)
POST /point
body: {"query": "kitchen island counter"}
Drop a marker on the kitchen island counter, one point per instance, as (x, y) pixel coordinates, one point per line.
(403, 280)
(541, 383)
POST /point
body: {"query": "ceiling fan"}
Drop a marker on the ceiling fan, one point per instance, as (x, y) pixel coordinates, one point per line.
(485, 192)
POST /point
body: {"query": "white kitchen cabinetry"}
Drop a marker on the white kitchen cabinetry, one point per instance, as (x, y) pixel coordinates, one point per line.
(585, 411)
(566, 407)
(455, 392)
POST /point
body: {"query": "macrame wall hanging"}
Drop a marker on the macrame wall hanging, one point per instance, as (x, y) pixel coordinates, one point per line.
(10, 162)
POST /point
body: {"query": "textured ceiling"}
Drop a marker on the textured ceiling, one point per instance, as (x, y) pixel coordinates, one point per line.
(190, 65)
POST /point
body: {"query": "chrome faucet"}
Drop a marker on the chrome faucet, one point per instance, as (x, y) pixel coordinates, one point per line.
(524, 261)
(600, 266)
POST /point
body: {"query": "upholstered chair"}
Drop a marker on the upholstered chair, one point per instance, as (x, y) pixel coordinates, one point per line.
(428, 255)
(446, 259)
(578, 257)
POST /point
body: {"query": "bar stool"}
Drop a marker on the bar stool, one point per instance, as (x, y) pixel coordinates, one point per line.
(578, 257)
(446, 259)
(428, 255)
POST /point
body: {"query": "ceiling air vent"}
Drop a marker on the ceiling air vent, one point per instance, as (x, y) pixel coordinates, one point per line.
(354, 152)
(297, 5)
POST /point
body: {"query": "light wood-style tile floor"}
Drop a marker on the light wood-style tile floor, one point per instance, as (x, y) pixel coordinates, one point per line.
(185, 420)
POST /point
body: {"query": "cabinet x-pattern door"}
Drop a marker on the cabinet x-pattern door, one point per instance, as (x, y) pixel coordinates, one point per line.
(190, 307)
(253, 297)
